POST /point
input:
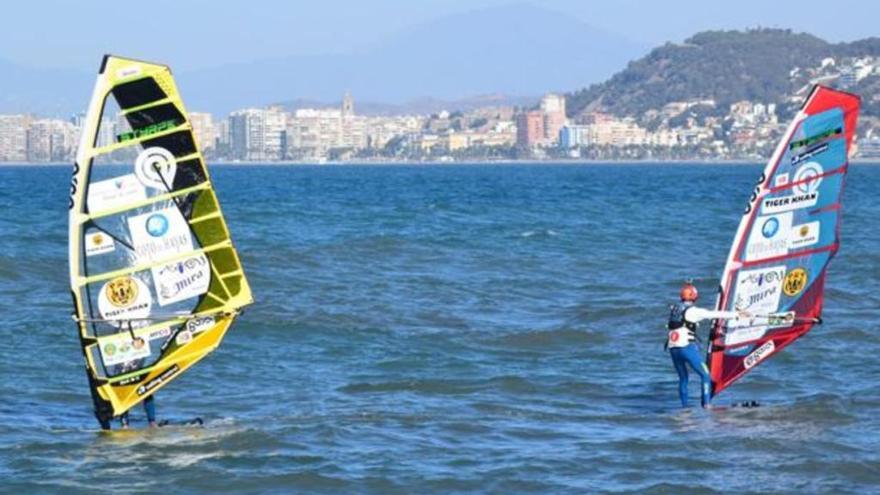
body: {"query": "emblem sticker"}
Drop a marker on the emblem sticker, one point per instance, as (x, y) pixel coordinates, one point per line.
(124, 298)
(795, 282)
(157, 225)
(121, 292)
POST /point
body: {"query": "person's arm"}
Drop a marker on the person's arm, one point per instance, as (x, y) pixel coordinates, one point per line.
(696, 315)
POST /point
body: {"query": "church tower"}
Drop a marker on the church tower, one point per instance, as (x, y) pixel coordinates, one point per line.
(347, 105)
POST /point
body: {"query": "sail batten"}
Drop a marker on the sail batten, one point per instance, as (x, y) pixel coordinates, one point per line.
(152, 264)
(788, 235)
(101, 277)
(146, 202)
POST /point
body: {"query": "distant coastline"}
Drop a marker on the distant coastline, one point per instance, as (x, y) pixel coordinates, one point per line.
(402, 163)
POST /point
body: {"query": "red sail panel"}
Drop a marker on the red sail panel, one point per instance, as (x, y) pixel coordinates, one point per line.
(785, 240)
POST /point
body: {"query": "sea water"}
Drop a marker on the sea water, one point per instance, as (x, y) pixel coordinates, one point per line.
(451, 329)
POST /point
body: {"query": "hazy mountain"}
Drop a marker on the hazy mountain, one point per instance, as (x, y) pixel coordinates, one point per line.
(43, 91)
(513, 50)
(418, 106)
(517, 49)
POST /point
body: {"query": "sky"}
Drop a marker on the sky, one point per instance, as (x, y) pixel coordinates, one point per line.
(201, 33)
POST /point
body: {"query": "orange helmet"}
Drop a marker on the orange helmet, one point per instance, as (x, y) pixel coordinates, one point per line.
(689, 292)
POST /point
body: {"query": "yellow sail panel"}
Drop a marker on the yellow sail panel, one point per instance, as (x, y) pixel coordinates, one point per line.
(155, 278)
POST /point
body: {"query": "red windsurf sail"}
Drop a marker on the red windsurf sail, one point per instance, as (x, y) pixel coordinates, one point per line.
(787, 236)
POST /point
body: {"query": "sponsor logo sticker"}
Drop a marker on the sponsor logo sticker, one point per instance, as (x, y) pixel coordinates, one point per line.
(756, 291)
(809, 141)
(805, 235)
(809, 154)
(182, 280)
(130, 71)
(795, 282)
(147, 131)
(159, 334)
(98, 243)
(114, 193)
(155, 382)
(197, 325)
(810, 173)
(121, 348)
(159, 234)
(769, 237)
(780, 204)
(155, 167)
(184, 337)
(759, 354)
(781, 180)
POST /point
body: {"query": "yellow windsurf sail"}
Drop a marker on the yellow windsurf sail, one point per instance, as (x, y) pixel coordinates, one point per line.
(155, 279)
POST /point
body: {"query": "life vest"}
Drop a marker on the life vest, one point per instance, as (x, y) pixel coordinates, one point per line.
(681, 331)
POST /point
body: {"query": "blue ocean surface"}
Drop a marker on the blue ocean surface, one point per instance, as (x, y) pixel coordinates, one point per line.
(451, 329)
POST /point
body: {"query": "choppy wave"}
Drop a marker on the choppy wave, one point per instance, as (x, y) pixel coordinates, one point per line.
(450, 329)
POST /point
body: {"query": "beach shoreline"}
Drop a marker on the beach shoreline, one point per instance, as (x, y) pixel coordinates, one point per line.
(696, 162)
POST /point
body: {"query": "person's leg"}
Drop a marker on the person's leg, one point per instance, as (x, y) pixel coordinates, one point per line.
(150, 409)
(123, 420)
(692, 355)
(678, 361)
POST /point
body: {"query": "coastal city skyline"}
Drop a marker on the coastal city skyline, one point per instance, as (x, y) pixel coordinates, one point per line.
(696, 128)
(566, 89)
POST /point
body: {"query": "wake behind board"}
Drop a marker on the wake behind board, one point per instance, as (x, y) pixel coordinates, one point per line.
(197, 421)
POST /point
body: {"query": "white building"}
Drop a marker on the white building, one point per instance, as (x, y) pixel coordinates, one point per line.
(51, 140)
(553, 107)
(203, 130)
(13, 137)
(258, 134)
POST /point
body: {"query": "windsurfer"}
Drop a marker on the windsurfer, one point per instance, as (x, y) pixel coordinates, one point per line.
(684, 318)
(149, 402)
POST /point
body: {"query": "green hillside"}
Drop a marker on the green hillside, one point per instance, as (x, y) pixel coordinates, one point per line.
(761, 65)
